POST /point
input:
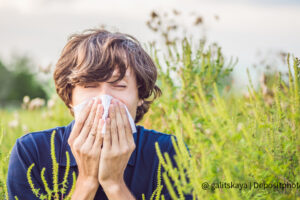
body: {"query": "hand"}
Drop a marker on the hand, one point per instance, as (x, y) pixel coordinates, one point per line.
(85, 141)
(118, 146)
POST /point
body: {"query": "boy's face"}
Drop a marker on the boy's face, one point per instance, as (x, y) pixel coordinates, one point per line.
(124, 90)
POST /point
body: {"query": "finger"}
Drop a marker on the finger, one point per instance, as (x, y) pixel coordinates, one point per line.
(79, 123)
(88, 124)
(113, 129)
(107, 135)
(99, 138)
(129, 134)
(92, 134)
(121, 125)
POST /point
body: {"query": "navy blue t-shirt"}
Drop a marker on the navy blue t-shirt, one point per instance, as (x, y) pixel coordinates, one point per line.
(140, 174)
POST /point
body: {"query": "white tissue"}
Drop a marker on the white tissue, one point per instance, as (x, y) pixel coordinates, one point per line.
(105, 102)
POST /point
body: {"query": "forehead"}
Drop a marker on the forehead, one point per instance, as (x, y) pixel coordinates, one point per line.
(128, 73)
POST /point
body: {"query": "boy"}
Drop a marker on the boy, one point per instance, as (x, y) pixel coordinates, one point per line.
(116, 165)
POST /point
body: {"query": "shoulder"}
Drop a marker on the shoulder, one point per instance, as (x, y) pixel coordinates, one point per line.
(35, 146)
(149, 137)
(41, 137)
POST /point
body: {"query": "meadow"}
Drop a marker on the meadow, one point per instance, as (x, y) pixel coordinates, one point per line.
(234, 139)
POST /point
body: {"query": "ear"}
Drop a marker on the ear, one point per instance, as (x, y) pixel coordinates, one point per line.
(140, 102)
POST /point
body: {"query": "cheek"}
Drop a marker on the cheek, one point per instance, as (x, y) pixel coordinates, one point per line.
(131, 105)
(77, 96)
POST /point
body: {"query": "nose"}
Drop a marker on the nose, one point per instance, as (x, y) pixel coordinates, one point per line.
(105, 89)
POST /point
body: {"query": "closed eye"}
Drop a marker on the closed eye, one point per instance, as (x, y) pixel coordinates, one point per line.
(90, 86)
(122, 86)
(94, 86)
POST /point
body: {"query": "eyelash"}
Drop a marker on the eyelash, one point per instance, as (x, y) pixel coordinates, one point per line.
(122, 86)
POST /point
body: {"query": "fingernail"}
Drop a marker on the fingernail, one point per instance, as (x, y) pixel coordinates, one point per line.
(118, 103)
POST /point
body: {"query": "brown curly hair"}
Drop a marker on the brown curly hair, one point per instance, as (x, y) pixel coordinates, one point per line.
(93, 56)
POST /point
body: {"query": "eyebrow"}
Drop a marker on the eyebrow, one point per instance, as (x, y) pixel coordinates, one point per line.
(126, 78)
(117, 76)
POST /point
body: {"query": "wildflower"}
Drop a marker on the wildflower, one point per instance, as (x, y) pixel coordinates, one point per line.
(26, 101)
(50, 103)
(239, 127)
(25, 128)
(36, 103)
(14, 123)
(207, 131)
